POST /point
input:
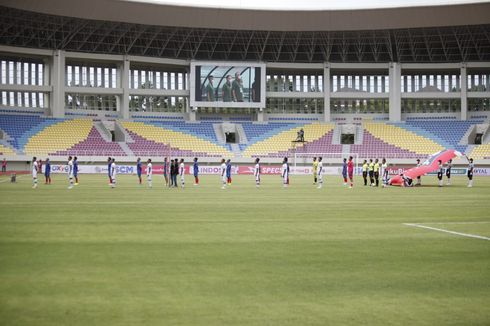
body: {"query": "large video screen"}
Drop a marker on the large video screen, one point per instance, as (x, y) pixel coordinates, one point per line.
(227, 84)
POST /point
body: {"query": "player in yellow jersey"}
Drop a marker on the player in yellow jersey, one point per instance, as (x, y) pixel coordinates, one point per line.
(315, 169)
(365, 167)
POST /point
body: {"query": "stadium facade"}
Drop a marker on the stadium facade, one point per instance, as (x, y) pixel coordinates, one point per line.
(422, 72)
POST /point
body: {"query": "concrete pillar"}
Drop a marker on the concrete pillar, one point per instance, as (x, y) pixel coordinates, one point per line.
(326, 93)
(123, 81)
(57, 79)
(260, 115)
(395, 114)
(464, 92)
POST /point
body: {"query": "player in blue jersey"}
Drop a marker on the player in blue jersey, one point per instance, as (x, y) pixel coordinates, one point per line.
(47, 172)
(109, 163)
(344, 171)
(75, 170)
(139, 169)
(195, 167)
(228, 171)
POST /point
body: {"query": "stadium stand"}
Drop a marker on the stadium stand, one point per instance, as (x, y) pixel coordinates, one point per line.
(178, 140)
(37, 135)
(402, 138)
(4, 150)
(481, 152)
(59, 137)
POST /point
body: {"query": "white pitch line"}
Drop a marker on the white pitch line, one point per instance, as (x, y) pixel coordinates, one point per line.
(479, 222)
(447, 231)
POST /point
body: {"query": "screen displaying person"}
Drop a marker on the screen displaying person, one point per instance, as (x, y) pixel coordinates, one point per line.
(237, 88)
(210, 90)
(226, 90)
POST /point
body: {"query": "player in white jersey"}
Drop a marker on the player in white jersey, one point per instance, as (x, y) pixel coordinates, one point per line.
(384, 172)
(34, 172)
(149, 172)
(257, 172)
(182, 173)
(70, 172)
(113, 173)
(319, 172)
(223, 174)
(285, 172)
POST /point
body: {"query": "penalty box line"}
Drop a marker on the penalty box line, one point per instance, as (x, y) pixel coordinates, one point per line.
(468, 235)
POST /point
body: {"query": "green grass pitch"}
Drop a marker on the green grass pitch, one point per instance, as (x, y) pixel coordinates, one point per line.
(243, 256)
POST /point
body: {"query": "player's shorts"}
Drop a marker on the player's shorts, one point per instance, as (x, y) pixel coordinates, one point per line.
(34, 175)
(70, 176)
(149, 177)
(47, 174)
(351, 175)
(257, 178)
(470, 175)
(439, 175)
(138, 173)
(448, 174)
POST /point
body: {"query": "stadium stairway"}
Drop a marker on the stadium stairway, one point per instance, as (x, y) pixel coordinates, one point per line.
(281, 142)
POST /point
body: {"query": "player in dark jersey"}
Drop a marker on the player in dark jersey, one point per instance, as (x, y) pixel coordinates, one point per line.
(440, 172)
(471, 167)
(449, 166)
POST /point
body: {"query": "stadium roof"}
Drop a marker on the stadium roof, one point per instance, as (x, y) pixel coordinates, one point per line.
(307, 5)
(422, 34)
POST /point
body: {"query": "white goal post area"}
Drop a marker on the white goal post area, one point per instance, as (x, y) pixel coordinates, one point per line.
(332, 162)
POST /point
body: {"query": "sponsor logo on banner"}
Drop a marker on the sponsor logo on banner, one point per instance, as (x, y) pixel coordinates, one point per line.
(481, 171)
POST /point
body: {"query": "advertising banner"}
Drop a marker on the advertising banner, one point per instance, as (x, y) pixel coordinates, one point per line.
(245, 170)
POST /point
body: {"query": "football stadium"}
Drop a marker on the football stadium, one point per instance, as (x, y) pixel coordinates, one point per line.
(244, 162)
